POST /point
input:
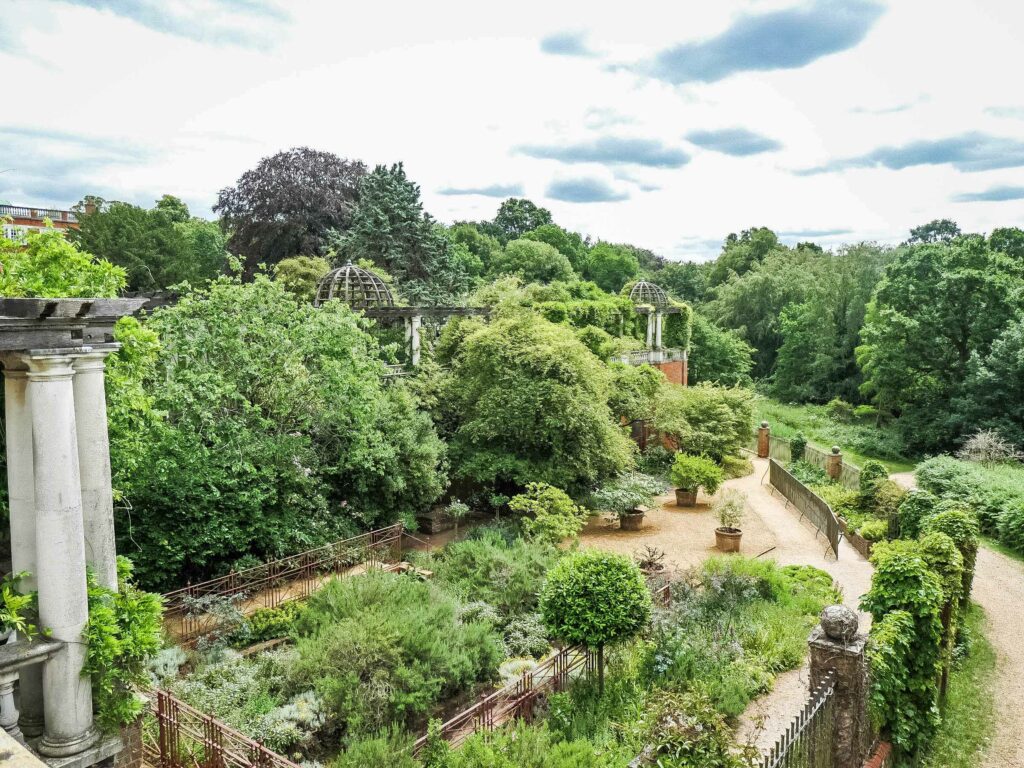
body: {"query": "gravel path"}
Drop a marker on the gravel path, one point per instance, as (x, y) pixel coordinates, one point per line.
(771, 530)
(999, 589)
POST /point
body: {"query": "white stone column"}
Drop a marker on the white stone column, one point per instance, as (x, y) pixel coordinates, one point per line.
(650, 330)
(94, 465)
(60, 555)
(414, 339)
(21, 497)
(658, 319)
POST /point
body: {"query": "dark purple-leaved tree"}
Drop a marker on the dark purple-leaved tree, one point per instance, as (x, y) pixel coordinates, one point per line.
(287, 204)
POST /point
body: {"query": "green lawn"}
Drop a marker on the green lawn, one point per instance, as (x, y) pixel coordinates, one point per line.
(968, 714)
(858, 440)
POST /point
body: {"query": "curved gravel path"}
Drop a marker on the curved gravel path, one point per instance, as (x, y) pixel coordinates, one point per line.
(999, 589)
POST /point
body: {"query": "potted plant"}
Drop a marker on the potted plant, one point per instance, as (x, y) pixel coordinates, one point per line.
(730, 509)
(691, 473)
(14, 609)
(627, 497)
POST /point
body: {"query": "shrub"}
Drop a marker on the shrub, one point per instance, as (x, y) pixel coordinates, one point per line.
(987, 446)
(989, 503)
(656, 460)
(807, 473)
(962, 528)
(267, 624)
(526, 636)
(693, 472)
(945, 476)
(887, 499)
(626, 492)
(914, 508)
(1011, 526)
(686, 731)
(595, 598)
(839, 410)
(730, 509)
(841, 499)
(736, 466)
(872, 474)
(457, 511)
(548, 513)
(797, 447)
(874, 530)
(705, 419)
(388, 749)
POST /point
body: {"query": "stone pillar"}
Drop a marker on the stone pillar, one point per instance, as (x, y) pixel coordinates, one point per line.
(650, 330)
(60, 555)
(414, 339)
(658, 319)
(763, 440)
(837, 646)
(94, 465)
(21, 496)
(834, 463)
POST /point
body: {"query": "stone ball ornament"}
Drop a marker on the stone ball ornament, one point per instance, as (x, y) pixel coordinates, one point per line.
(839, 623)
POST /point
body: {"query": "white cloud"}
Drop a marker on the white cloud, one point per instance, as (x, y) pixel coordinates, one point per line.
(453, 90)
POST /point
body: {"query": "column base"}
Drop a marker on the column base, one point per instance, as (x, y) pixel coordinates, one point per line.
(50, 746)
(31, 726)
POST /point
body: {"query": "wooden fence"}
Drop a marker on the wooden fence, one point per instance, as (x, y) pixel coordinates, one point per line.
(812, 506)
(809, 741)
(186, 614)
(174, 735)
(517, 699)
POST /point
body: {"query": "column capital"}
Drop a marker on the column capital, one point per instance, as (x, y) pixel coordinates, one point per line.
(95, 358)
(49, 367)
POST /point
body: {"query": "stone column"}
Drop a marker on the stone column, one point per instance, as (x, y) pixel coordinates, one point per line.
(836, 646)
(414, 339)
(60, 555)
(21, 496)
(94, 464)
(658, 319)
(834, 463)
(763, 440)
(650, 330)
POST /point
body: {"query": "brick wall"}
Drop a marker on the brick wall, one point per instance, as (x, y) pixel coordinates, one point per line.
(673, 370)
(882, 757)
(131, 755)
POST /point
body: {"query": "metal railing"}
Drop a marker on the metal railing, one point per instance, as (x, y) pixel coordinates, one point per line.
(809, 741)
(174, 735)
(279, 581)
(812, 506)
(517, 699)
(27, 212)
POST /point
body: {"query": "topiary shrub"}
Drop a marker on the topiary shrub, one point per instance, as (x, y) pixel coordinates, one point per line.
(917, 505)
(961, 526)
(548, 513)
(942, 555)
(1011, 526)
(691, 473)
(797, 447)
(874, 530)
(595, 598)
(872, 474)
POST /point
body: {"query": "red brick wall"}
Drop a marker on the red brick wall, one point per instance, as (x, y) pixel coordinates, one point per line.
(131, 755)
(882, 757)
(673, 371)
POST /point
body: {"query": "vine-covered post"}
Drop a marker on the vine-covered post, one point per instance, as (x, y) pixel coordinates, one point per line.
(837, 646)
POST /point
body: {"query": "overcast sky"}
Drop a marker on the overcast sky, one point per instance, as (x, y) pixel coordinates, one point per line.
(666, 125)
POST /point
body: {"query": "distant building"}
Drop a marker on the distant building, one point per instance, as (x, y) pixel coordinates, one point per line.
(19, 220)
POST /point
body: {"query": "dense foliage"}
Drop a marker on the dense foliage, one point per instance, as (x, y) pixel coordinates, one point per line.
(48, 265)
(705, 419)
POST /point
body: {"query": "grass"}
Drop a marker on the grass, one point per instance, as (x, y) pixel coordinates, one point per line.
(968, 715)
(859, 440)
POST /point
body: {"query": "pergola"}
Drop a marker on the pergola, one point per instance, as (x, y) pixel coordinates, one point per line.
(61, 509)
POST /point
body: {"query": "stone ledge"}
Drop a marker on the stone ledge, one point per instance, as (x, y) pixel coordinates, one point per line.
(102, 750)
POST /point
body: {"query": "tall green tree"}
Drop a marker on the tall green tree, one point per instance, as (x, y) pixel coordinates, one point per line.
(741, 252)
(718, 356)
(517, 216)
(533, 261)
(158, 247)
(390, 228)
(569, 244)
(288, 205)
(611, 266)
(684, 279)
(935, 231)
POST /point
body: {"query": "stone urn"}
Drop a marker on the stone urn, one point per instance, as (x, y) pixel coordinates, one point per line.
(632, 520)
(686, 498)
(728, 539)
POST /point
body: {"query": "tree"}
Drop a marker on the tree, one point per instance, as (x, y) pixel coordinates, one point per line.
(526, 402)
(569, 244)
(517, 216)
(49, 266)
(595, 598)
(1008, 240)
(390, 228)
(993, 394)
(936, 306)
(684, 279)
(611, 266)
(301, 275)
(548, 513)
(482, 246)
(718, 356)
(709, 420)
(158, 248)
(740, 254)
(532, 261)
(935, 231)
(287, 205)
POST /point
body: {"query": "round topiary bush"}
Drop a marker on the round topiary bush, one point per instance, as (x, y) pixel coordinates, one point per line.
(594, 598)
(962, 527)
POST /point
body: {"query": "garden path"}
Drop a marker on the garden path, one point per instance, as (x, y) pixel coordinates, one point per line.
(770, 530)
(999, 589)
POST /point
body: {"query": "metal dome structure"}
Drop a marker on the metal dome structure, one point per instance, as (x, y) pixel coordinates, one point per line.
(357, 287)
(644, 292)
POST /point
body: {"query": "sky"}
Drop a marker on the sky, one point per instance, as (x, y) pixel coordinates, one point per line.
(667, 126)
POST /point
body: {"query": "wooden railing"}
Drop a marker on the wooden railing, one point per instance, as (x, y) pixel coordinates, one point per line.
(812, 506)
(174, 735)
(517, 699)
(271, 584)
(809, 741)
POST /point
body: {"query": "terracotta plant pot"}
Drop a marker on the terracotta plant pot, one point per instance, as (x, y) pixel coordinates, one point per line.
(631, 521)
(686, 498)
(728, 539)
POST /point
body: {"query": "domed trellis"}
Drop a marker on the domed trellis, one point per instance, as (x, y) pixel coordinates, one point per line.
(644, 292)
(355, 286)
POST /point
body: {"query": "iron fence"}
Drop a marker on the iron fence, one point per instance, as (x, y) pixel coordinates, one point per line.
(810, 505)
(517, 699)
(186, 617)
(809, 741)
(174, 735)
